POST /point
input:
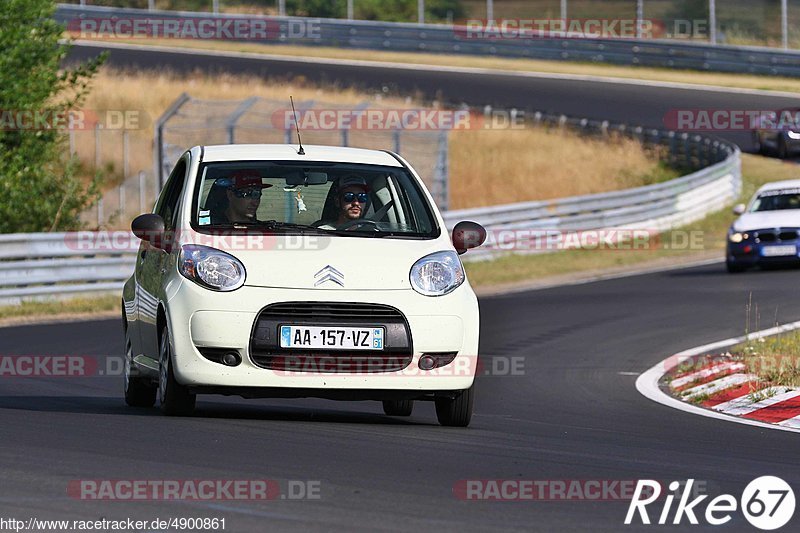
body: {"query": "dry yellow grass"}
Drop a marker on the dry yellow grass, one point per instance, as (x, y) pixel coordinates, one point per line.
(487, 166)
(496, 167)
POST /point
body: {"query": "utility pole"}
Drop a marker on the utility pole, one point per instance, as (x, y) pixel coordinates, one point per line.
(785, 24)
(639, 17)
(712, 21)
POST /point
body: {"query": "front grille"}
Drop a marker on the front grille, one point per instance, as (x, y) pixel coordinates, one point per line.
(265, 350)
(775, 235)
(330, 311)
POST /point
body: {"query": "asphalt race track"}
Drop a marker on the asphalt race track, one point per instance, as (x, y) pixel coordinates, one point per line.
(619, 102)
(571, 415)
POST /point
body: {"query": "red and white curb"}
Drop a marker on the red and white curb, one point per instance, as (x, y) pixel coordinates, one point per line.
(724, 389)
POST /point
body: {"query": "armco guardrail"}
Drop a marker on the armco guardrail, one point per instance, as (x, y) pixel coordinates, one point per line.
(35, 266)
(38, 266)
(452, 40)
(653, 208)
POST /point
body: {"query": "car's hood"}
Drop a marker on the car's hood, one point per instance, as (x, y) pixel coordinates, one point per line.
(329, 263)
(785, 218)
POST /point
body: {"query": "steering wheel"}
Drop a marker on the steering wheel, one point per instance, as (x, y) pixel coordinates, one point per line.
(351, 224)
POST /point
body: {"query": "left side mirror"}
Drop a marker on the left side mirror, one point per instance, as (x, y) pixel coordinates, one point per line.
(468, 235)
(150, 228)
(738, 209)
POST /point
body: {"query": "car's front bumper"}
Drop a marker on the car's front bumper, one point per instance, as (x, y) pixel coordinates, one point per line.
(749, 254)
(202, 319)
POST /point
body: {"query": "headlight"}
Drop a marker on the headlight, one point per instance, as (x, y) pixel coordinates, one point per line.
(737, 237)
(437, 274)
(794, 135)
(211, 268)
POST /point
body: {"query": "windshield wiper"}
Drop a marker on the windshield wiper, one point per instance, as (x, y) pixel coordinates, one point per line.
(266, 225)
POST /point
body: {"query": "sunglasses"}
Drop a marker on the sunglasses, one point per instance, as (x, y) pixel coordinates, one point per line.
(247, 193)
(349, 197)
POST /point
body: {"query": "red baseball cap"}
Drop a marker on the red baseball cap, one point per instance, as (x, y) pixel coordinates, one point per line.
(245, 179)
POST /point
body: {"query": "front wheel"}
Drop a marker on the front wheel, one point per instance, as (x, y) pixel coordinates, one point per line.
(759, 146)
(176, 400)
(732, 267)
(139, 392)
(398, 407)
(783, 149)
(457, 411)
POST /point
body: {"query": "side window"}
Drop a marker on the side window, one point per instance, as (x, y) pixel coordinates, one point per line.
(167, 205)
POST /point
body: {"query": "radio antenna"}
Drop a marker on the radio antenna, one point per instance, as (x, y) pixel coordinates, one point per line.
(297, 127)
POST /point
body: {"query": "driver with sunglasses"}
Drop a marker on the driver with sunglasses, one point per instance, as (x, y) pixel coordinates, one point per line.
(242, 192)
(351, 201)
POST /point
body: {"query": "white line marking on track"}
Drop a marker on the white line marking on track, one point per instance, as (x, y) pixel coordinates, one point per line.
(647, 384)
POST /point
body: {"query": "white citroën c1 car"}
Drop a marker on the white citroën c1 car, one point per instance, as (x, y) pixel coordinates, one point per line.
(272, 271)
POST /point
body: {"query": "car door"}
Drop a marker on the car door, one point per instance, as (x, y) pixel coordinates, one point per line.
(155, 263)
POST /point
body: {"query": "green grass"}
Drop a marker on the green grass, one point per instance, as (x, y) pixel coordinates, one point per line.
(708, 234)
(61, 307)
(774, 359)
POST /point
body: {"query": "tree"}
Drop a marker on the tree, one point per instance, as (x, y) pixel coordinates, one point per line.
(39, 188)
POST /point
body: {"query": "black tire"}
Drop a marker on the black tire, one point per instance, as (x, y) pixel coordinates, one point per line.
(783, 150)
(398, 407)
(455, 412)
(733, 268)
(139, 392)
(759, 146)
(176, 400)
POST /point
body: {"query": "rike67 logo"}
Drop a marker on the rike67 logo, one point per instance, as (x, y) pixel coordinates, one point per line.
(767, 503)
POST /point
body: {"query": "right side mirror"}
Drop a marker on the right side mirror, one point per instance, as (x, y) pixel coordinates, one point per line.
(150, 228)
(467, 235)
(738, 209)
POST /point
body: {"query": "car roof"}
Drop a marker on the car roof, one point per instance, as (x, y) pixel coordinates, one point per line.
(777, 185)
(288, 152)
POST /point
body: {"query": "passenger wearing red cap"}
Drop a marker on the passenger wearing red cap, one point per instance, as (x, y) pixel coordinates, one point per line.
(242, 192)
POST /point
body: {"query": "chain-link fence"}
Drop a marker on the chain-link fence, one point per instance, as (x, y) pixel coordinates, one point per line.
(189, 122)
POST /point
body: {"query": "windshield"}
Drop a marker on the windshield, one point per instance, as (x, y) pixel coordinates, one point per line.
(291, 197)
(777, 200)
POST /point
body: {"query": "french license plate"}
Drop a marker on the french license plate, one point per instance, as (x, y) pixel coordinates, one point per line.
(779, 251)
(332, 338)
